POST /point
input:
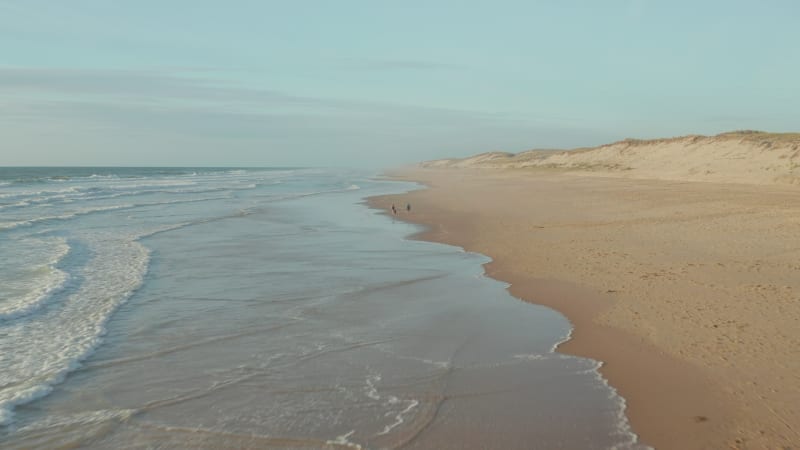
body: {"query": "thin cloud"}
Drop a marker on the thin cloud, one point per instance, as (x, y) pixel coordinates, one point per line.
(142, 88)
(133, 83)
(162, 87)
(396, 65)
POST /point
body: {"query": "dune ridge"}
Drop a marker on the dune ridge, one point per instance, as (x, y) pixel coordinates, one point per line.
(749, 157)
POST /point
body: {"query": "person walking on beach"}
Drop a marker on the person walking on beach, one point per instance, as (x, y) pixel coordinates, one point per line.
(394, 210)
(408, 207)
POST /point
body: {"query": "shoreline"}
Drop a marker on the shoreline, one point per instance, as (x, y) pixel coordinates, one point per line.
(672, 401)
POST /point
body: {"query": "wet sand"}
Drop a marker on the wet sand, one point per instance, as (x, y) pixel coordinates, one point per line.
(688, 292)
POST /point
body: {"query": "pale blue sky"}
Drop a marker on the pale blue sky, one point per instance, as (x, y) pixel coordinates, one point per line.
(380, 83)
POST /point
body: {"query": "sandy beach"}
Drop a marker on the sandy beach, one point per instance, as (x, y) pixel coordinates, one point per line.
(689, 292)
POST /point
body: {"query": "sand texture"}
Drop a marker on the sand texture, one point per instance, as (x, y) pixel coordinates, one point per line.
(689, 292)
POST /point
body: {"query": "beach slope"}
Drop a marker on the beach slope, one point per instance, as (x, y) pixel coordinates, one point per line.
(684, 281)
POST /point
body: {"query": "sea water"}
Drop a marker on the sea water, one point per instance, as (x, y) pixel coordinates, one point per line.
(266, 308)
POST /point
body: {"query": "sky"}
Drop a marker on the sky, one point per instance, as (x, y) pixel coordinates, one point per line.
(381, 83)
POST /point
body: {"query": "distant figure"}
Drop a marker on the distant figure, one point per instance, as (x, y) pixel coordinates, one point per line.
(408, 207)
(394, 210)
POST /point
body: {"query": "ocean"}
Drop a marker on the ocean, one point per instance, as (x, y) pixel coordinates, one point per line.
(267, 308)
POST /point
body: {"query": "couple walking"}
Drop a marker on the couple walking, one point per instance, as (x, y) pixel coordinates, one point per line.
(394, 210)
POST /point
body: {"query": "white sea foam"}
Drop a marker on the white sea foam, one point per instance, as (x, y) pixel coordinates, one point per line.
(372, 392)
(630, 440)
(530, 356)
(566, 338)
(398, 419)
(19, 204)
(86, 211)
(22, 193)
(42, 340)
(82, 418)
(65, 216)
(150, 182)
(344, 440)
(42, 280)
(38, 352)
(96, 190)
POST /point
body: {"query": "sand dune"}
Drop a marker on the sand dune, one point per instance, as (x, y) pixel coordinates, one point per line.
(737, 157)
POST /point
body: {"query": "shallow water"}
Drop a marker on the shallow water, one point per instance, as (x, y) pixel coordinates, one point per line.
(202, 308)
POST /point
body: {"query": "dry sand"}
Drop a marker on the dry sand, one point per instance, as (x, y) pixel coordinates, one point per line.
(689, 292)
